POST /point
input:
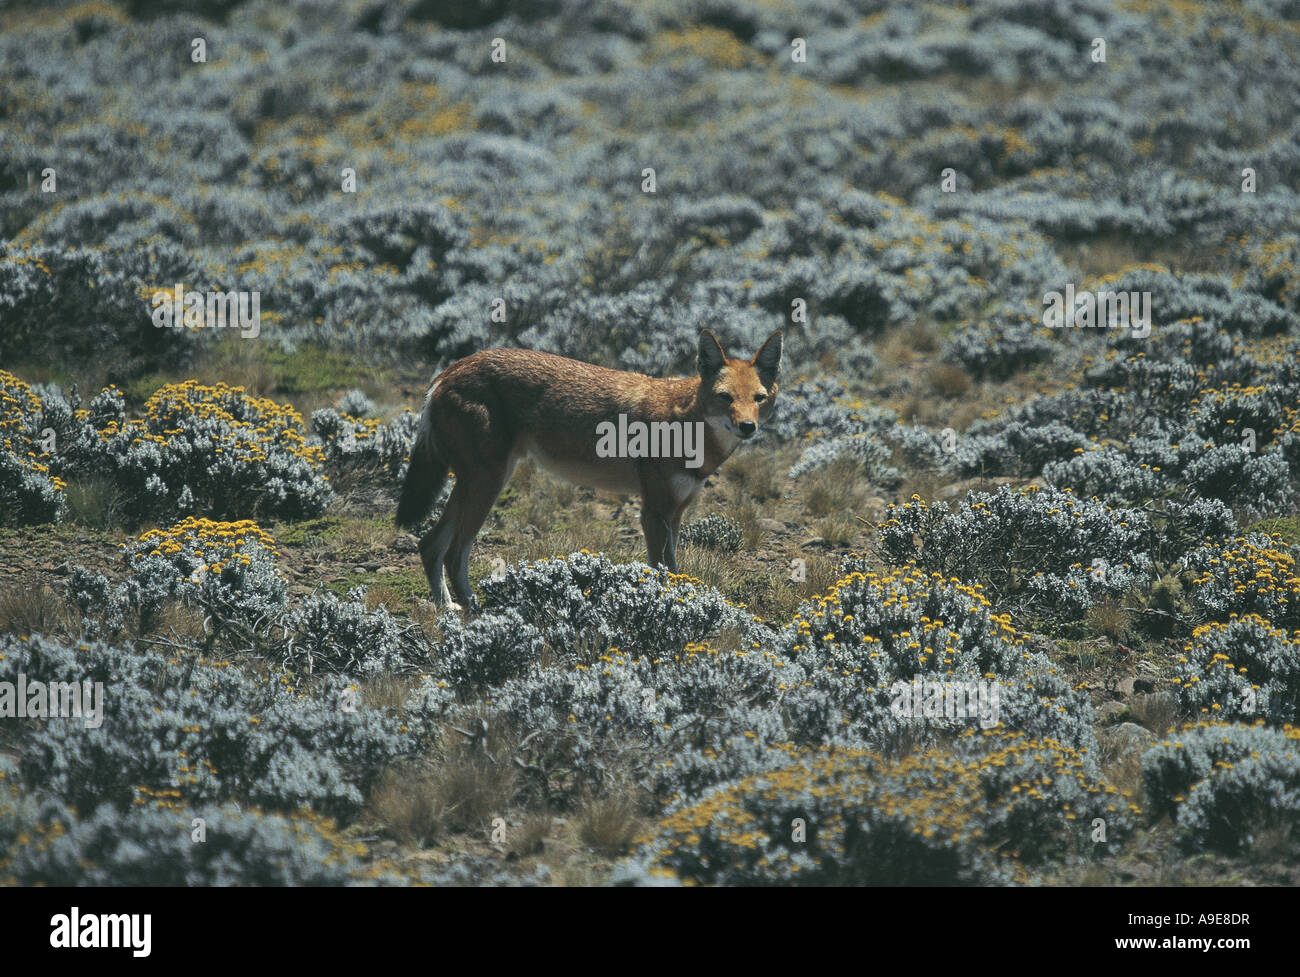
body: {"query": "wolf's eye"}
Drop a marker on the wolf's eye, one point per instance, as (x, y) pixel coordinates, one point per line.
(724, 397)
(759, 398)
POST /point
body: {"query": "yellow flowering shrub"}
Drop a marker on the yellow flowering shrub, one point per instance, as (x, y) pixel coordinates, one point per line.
(981, 811)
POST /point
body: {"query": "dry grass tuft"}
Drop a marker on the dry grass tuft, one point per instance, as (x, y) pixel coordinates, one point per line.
(476, 781)
(1110, 619)
(407, 803)
(1157, 711)
(948, 379)
(755, 474)
(610, 823)
(30, 606)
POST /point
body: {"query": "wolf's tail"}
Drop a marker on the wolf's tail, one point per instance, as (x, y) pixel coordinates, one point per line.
(425, 477)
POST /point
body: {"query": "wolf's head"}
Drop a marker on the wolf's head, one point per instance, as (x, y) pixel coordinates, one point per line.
(738, 394)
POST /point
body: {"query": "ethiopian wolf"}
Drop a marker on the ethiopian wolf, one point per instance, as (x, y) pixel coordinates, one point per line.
(605, 429)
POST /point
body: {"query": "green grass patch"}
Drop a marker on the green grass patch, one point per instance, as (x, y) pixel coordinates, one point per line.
(1288, 527)
(267, 371)
(312, 532)
(370, 538)
(52, 542)
(141, 388)
(88, 381)
(312, 369)
(94, 501)
(398, 591)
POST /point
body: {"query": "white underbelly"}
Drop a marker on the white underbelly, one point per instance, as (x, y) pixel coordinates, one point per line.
(607, 474)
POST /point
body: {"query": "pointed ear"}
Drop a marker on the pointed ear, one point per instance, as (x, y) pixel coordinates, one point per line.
(768, 359)
(711, 358)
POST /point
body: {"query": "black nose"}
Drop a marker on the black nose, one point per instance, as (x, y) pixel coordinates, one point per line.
(747, 429)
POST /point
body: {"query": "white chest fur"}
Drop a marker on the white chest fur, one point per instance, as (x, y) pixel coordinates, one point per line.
(726, 440)
(683, 487)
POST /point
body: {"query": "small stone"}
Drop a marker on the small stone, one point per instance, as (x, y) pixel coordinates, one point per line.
(1108, 713)
(1127, 738)
(1136, 686)
(957, 490)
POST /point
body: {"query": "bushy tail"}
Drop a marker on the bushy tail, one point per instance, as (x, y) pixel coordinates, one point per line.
(424, 480)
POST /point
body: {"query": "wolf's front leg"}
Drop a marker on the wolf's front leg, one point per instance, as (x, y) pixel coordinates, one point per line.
(657, 539)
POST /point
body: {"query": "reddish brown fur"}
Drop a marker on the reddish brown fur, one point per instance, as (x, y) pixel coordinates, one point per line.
(485, 412)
